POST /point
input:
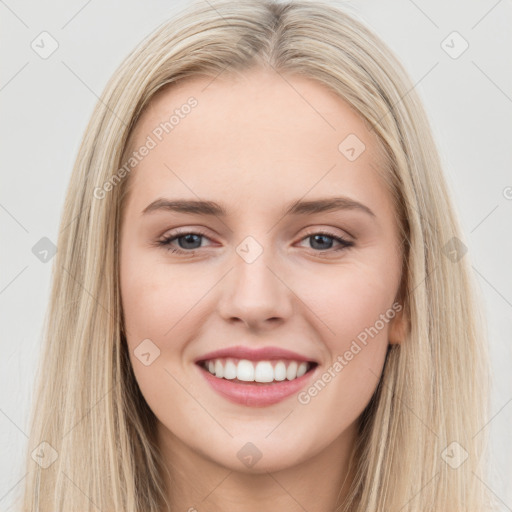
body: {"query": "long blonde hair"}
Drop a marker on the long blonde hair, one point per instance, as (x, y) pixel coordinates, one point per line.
(431, 403)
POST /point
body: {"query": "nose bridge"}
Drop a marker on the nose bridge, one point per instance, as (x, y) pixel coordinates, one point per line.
(254, 292)
(255, 283)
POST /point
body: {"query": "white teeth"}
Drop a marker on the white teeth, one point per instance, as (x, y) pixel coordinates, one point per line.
(219, 369)
(264, 372)
(280, 371)
(291, 372)
(302, 369)
(230, 370)
(244, 370)
(261, 371)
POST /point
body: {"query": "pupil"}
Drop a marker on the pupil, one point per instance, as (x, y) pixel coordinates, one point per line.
(189, 239)
(324, 237)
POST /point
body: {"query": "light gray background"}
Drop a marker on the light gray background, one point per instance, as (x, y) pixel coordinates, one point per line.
(46, 103)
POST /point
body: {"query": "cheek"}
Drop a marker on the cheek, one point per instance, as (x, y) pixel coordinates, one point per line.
(352, 299)
(354, 305)
(161, 303)
(144, 300)
(352, 308)
(154, 295)
(154, 306)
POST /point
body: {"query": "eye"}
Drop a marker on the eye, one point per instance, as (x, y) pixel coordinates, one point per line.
(189, 241)
(320, 240)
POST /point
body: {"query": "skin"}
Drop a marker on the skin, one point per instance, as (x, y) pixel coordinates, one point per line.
(254, 143)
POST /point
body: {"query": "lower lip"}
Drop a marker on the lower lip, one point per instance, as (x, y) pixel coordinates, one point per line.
(256, 395)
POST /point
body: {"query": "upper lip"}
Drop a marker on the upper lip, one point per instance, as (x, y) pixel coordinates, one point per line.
(254, 354)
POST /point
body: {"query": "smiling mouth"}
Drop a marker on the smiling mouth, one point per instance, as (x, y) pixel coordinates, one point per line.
(259, 373)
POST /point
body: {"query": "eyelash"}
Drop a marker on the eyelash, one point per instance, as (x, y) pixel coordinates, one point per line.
(166, 242)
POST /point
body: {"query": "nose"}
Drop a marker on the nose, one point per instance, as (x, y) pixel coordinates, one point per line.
(255, 294)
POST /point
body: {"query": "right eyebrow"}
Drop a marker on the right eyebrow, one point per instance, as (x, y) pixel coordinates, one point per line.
(186, 206)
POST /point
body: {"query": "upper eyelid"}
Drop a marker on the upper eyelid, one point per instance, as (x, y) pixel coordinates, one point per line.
(310, 232)
(183, 232)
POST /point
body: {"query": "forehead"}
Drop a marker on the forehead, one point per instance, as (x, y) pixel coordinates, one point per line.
(255, 137)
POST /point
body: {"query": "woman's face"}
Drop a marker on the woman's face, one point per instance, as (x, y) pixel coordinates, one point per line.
(231, 240)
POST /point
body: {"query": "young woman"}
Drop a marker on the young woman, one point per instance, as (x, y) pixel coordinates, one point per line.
(261, 297)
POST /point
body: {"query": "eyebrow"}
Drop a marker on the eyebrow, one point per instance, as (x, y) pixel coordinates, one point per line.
(299, 207)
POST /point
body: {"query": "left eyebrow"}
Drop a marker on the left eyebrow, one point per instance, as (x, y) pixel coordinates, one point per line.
(326, 205)
(299, 207)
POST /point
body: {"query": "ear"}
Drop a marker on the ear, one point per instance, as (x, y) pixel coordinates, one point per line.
(398, 327)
